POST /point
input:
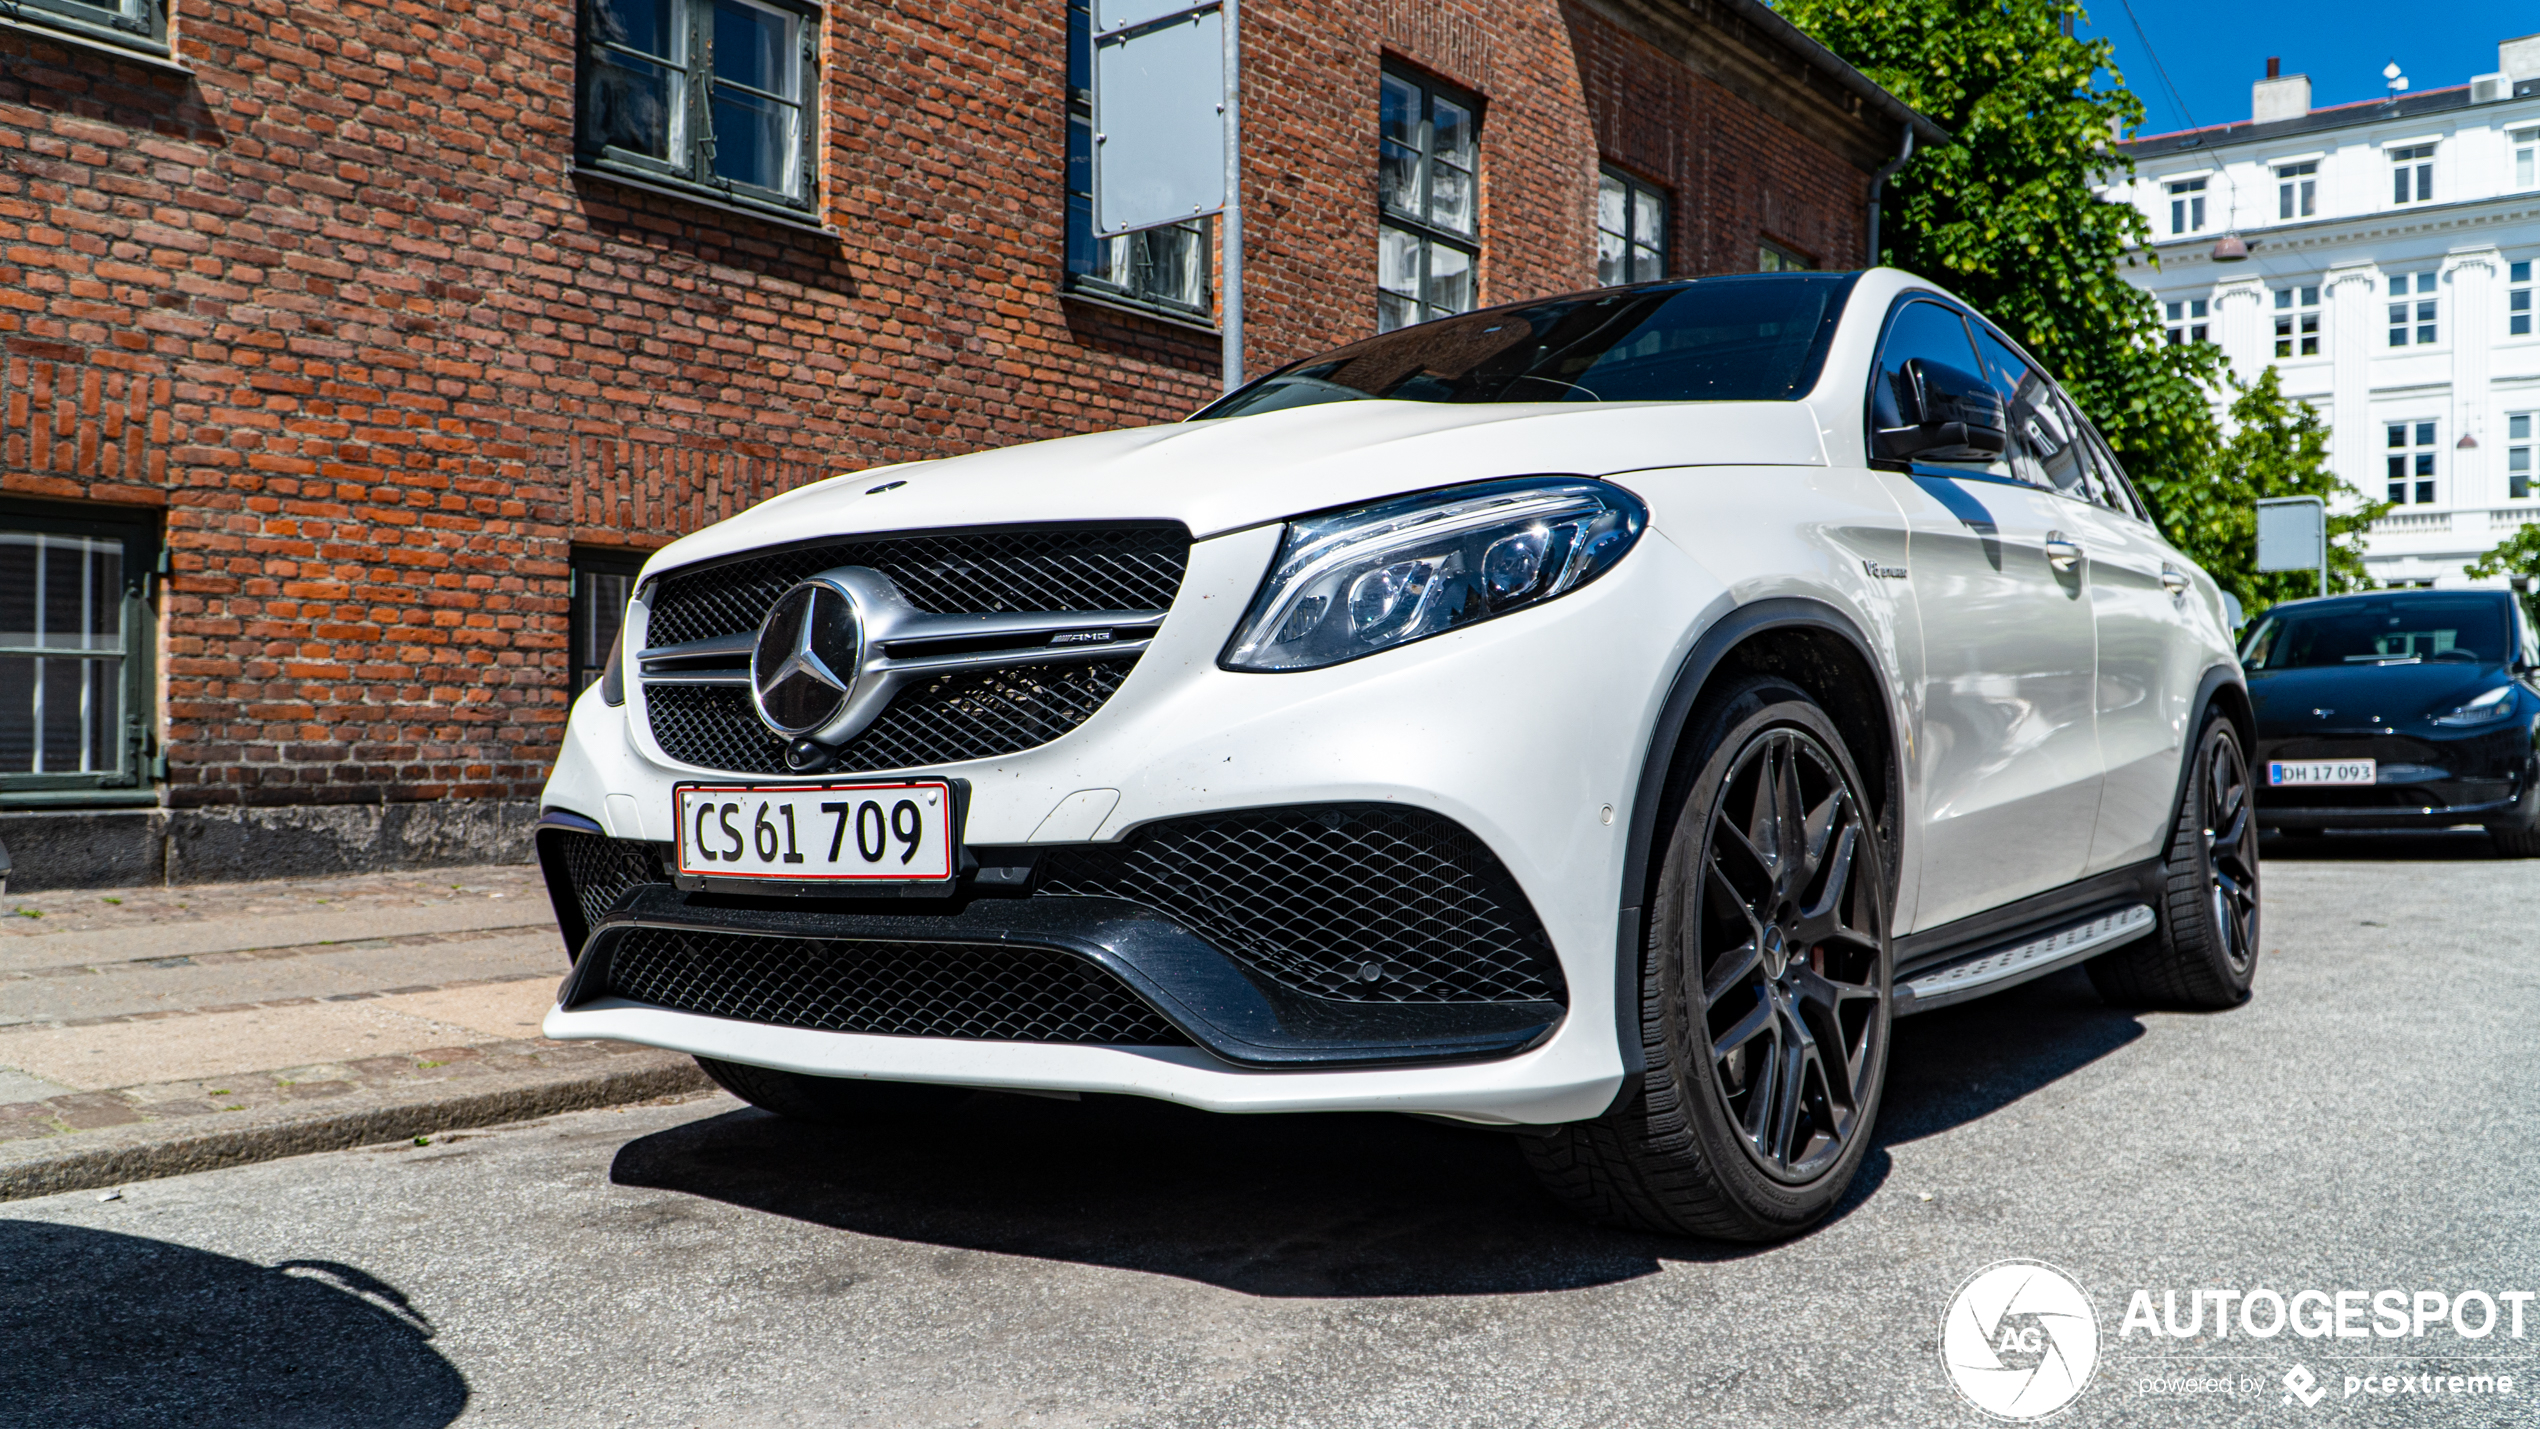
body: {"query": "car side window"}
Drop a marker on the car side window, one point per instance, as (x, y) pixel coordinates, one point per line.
(1936, 335)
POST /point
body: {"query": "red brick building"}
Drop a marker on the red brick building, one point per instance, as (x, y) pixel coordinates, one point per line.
(350, 352)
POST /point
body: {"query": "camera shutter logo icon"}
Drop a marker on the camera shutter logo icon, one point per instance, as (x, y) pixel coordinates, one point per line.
(2019, 1340)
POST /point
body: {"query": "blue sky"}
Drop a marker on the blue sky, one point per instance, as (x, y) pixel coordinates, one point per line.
(2214, 51)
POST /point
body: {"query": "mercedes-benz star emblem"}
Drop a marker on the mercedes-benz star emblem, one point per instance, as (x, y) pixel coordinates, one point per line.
(805, 662)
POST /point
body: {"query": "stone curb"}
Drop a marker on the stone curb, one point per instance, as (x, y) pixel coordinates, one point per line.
(113, 1156)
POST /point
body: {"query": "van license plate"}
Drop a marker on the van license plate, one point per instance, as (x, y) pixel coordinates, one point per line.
(835, 833)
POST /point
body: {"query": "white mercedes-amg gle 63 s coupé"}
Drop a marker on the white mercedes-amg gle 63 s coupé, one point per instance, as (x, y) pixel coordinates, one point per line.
(1599, 718)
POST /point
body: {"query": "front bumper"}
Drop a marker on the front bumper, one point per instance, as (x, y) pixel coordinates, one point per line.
(1525, 730)
(2426, 780)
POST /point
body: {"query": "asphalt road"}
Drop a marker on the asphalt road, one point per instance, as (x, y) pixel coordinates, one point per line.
(2367, 1123)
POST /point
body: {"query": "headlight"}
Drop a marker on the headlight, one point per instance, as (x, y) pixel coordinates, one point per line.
(1351, 583)
(2495, 704)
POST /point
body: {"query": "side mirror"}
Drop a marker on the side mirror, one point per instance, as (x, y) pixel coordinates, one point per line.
(2232, 611)
(1950, 414)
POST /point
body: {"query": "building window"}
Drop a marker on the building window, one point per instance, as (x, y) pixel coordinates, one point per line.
(1773, 258)
(708, 95)
(1631, 230)
(2526, 144)
(134, 24)
(601, 584)
(2411, 462)
(2297, 321)
(2186, 319)
(1160, 267)
(2518, 455)
(2297, 190)
(2412, 308)
(1428, 203)
(74, 651)
(2518, 298)
(2412, 174)
(2187, 205)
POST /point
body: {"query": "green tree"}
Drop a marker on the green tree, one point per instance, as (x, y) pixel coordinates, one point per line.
(2278, 447)
(2516, 555)
(2009, 218)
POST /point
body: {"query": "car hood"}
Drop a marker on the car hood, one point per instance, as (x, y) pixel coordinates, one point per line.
(2287, 701)
(1228, 474)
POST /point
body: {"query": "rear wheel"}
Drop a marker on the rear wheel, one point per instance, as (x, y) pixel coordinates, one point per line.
(2204, 954)
(830, 1101)
(1764, 991)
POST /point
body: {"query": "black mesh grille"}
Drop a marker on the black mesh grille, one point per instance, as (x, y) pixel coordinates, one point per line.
(1354, 902)
(974, 714)
(997, 994)
(602, 870)
(1056, 568)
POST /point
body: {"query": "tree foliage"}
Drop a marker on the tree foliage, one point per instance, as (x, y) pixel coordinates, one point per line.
(2516, 555)
(2010, 219)
(2278, 447)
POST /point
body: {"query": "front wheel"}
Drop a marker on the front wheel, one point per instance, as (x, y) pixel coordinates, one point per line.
(2204, 954)
(1764, 991)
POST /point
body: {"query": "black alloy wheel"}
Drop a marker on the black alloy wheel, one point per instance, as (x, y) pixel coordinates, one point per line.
(1790, 989)
(1764, 995)
(2204, 951)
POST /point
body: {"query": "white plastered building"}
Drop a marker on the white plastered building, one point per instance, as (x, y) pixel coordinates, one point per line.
(2391, 249)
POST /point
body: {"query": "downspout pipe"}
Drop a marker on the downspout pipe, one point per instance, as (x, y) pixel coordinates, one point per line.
(1878, 185)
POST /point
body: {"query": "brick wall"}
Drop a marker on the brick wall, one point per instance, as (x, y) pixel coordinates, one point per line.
(336, 304)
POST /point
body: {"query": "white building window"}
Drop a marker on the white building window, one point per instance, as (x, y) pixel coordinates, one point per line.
(2412, 174)
(2412, 453)
(2518, 298)
(2297, 190)
(2297, 321)
(2412, 303)
(2526, 144)
(2518, 456)
(2185, 319)
(2187, 205)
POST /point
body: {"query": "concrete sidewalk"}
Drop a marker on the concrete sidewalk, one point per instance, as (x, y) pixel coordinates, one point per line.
(149, 1031)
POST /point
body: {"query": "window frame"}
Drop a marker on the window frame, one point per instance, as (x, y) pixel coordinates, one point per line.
(2297, 190)
(2523, 146)
(1090, 259)
(2187, 203)
(2415, 318)
(584, 562)
(2407, 158)
(2412, 448)
(693, 176)
(2297, 312)
(138, 754)
(1634, 188)
(1427, 233)
(2185, 320)
(2519, 442)
(140, 25)
(2518, 299)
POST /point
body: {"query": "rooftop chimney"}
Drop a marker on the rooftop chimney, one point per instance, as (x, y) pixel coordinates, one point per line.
(2279, 96)
(2519, 59)
(2275, 67)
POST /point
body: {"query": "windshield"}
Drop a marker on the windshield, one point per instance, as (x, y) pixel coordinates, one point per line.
(1751, 338)
(2397, 631)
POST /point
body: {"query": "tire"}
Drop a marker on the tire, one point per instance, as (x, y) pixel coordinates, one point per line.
(830, 1101)
(2204, 953)
(1701, 1144)
(2515, 843)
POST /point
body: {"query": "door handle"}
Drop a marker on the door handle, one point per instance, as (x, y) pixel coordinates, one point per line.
(2174, 580)
(2061, 551)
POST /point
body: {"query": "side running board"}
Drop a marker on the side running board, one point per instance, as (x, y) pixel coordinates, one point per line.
(1998, 968)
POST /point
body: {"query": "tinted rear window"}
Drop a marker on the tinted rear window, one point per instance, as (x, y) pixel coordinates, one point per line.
(2381, 632)
(1739, 339)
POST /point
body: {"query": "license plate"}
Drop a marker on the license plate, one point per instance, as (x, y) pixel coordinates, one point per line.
(838, 833)
(2285, 772)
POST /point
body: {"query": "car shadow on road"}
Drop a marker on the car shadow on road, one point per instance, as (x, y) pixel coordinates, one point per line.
(1303, 1205)
(2394, 846)
(103, 1330)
